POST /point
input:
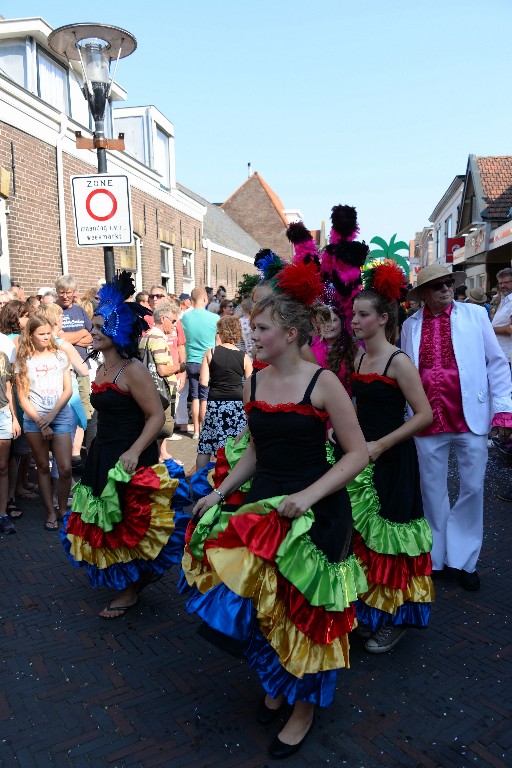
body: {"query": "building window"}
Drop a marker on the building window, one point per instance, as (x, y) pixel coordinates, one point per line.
(162, 164)
(13, 61)
(438, 244)
(52, 82)
(188, 264)
(167, 267)
(448, 227)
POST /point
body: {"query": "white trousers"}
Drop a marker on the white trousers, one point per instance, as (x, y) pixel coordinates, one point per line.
(181, 416)
(457, 531)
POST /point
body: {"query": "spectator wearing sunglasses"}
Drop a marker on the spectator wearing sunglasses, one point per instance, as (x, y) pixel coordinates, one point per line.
(466, 378)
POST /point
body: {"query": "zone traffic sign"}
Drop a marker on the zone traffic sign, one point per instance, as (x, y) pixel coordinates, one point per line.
(102, 210)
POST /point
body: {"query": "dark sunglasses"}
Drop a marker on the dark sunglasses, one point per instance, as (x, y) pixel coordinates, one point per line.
(157, 295)
(437, 286)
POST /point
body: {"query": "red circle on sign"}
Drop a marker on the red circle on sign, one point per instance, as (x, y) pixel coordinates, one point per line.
(102, 192)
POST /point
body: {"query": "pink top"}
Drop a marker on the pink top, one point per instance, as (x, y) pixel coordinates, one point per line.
(440, 375)
(321, 351)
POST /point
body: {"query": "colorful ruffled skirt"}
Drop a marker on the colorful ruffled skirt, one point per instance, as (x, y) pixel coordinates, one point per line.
(395, 558)
(118, 546)
(258, 578)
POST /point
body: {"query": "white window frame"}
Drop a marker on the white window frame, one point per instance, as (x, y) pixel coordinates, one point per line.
(64, 106)
(168, 274)
(188, 275)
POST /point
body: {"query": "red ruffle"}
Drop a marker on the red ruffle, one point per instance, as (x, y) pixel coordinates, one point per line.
(369, 377)
(105, 385)
(314, 621)
(131, 529)
(394, 571)
(261, 534)
(221, 471)
(305, 410)
(259, 365)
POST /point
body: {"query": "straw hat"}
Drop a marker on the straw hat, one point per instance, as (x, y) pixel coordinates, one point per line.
(476, 296)
(433, 274)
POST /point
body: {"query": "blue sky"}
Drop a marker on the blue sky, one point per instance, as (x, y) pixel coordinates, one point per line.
(376, 103)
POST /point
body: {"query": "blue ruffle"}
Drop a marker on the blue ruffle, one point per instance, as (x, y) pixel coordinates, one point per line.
(411, 614)
(235, 616)
(199, 484)
(176, 543)
(181, 496)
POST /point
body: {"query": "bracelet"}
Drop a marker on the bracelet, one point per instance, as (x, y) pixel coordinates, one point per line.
(222, 497)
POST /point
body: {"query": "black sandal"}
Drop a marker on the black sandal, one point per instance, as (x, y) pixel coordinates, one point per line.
(13, 510)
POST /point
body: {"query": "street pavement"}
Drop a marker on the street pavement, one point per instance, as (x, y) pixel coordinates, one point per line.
(146, 690)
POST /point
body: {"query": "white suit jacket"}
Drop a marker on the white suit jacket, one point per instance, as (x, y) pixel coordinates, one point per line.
(484, 372)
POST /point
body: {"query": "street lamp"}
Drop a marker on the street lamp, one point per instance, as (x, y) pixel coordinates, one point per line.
(96, 46)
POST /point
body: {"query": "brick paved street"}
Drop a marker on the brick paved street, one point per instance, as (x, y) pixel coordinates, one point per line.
(147, 691)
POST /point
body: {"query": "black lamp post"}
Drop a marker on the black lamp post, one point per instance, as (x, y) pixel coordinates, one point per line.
(96, 46)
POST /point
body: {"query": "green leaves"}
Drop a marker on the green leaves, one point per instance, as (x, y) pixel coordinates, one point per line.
(390, 251)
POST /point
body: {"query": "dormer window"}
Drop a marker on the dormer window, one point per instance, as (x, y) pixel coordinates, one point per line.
(162, 157)
(13, 61)
(52, 81)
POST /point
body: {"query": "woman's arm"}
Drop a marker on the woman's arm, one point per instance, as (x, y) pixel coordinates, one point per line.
(142, 388)
(204, 371)
(76, 361)
(409, 381)
(247, 366)
(27, 407)
(16, 429)
(329, 394)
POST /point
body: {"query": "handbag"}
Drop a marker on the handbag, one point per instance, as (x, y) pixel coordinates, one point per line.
(161, 382)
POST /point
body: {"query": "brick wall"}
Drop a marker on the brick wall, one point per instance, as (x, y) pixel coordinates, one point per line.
(228, 272)
(33, 222)
(253, 210)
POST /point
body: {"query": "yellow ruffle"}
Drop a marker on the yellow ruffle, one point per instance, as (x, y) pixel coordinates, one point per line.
(419, 590)
(156, 537)
(250, 576)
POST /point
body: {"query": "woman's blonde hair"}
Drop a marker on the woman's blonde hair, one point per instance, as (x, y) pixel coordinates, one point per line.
(50, 312)
(26, 349)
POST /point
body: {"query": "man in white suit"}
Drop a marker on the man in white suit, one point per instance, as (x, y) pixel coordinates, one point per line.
(467, 381)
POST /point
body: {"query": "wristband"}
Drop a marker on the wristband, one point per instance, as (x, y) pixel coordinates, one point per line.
(222, 497)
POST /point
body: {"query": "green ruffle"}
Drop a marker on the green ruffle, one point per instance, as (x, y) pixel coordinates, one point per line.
(329, 453)
(234, 452)
(380, 535)
(331, 585)
(103, 511)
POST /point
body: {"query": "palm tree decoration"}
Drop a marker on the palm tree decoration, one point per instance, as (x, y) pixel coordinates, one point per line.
(390, 251)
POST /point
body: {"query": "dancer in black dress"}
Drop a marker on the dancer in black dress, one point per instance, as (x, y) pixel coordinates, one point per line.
(121, 521)
(278, 573)
(392, 536)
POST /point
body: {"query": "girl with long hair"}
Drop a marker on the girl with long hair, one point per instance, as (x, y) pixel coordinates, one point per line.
(43, 385)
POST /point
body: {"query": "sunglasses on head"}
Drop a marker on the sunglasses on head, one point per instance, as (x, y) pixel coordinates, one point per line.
(437, 286)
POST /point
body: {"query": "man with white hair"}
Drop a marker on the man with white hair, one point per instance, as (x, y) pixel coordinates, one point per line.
(467, 381)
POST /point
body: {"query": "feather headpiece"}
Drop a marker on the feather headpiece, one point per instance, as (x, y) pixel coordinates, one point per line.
(268, 263)
(123, 321)
(301, 281)
(385, 277)
(303, 244)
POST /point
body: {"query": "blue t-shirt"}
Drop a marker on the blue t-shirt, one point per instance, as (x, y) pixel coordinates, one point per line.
(74, 318)
(200, 328)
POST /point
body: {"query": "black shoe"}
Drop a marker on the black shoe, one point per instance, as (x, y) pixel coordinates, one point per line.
(505, 495)
(469, 581)
(280, 750)
(265, 714)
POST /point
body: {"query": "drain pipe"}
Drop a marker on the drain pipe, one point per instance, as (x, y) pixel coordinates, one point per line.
(61, 195)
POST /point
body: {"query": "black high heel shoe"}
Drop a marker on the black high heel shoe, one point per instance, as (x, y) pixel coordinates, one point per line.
(280, 750)
(265, 714)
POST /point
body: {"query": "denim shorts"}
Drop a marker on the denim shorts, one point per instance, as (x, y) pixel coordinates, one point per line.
(60, 425)
(5, 423)
(196, 390)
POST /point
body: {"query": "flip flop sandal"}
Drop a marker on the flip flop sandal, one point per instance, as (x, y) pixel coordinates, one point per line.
(27, 495)
(13, 510)
(119, 609)
(51, 525)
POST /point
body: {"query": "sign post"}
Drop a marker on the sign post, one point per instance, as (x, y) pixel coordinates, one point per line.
(102, 210)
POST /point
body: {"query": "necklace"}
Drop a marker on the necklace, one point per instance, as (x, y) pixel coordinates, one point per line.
(105, 368)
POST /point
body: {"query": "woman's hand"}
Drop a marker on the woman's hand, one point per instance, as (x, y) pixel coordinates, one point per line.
(206, 503)
(375, 449)
(16, 429)
(294, 505)
(47, 433)
(129, 460)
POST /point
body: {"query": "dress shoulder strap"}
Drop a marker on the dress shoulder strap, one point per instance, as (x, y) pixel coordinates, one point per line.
(398, 352)
(360, 361)
(253, 385)
(120, 372)
(307, 394)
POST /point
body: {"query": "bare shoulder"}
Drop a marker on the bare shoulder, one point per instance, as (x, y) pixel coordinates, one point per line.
(135, 371)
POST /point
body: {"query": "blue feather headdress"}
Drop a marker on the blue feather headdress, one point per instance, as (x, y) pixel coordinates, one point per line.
(123, 321)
